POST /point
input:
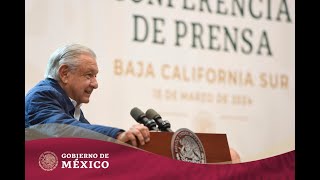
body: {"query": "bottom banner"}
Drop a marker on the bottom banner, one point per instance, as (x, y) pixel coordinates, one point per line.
(83, 158)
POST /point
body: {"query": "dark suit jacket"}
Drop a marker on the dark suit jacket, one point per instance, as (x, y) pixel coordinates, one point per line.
(48, 103)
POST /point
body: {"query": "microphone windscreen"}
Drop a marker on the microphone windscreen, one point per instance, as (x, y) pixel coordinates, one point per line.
(152, 114)
(136, 113)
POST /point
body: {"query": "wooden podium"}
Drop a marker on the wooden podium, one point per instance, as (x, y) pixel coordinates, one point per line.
(215, 146)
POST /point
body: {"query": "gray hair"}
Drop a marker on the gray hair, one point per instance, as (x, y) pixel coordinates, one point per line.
(66, 54)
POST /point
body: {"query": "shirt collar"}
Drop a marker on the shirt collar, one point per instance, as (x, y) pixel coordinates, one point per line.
(74, 103)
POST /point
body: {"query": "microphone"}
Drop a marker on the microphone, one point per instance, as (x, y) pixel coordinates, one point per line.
(141, 118)
(163, 125)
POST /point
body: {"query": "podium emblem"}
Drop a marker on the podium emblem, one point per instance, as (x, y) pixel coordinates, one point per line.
(186, 146)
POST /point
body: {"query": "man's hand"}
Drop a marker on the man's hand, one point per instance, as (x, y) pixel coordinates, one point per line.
(136, 132)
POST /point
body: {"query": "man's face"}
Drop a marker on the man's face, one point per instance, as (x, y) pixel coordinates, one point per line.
(82, 81)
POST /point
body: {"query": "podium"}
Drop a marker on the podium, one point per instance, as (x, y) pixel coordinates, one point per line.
(215, 146)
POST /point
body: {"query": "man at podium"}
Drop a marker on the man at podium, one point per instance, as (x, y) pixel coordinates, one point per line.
(70, 78)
